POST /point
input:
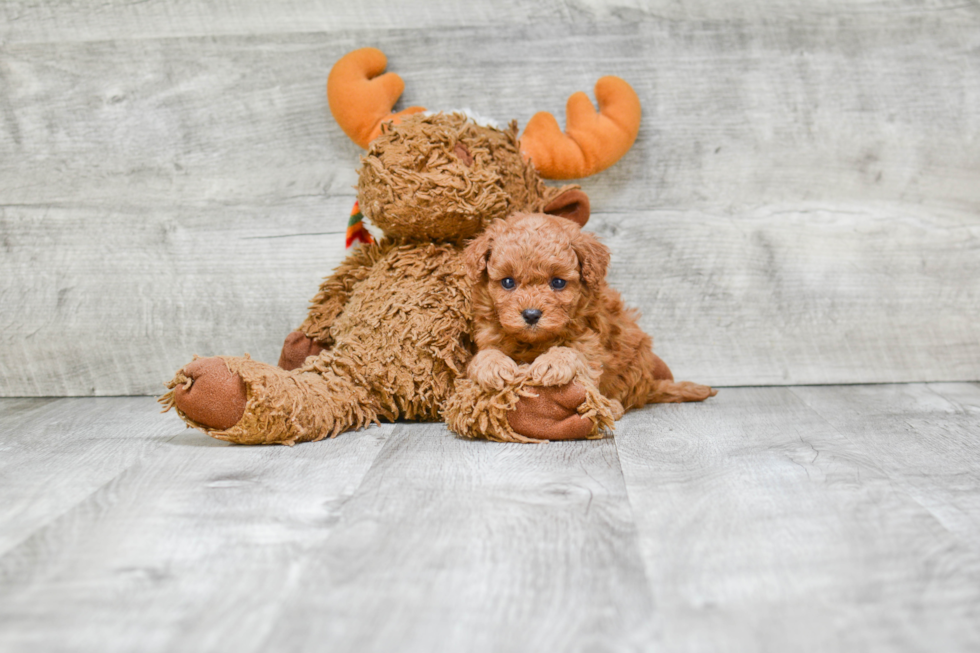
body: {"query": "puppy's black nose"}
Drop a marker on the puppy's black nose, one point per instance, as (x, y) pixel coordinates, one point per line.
(531, 315)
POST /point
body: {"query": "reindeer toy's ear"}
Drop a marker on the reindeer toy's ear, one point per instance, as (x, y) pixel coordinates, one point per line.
(572, 204)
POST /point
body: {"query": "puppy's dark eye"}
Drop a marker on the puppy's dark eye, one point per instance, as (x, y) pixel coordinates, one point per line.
(557, 284)
(508, 283)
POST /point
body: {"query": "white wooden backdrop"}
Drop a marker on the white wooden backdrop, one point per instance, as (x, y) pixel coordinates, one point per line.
(802, 204)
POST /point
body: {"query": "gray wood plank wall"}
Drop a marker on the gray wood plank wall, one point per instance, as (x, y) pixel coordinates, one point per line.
(802, 204)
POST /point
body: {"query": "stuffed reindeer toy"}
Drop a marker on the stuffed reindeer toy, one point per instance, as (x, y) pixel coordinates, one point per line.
(389, 332)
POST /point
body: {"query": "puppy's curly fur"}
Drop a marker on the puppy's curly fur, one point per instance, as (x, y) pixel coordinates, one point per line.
(542, 311)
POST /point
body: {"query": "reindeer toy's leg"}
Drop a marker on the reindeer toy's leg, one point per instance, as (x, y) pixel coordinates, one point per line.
(248, 402)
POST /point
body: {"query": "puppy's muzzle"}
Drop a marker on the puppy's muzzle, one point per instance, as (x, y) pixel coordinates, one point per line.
(531, 315)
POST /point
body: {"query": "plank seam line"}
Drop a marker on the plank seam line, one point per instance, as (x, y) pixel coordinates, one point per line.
(323, 544)
(636, 529)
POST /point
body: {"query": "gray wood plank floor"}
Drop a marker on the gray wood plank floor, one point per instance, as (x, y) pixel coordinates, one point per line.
(767, 519)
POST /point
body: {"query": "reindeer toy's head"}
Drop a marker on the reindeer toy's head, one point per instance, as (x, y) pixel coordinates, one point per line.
(443, 177)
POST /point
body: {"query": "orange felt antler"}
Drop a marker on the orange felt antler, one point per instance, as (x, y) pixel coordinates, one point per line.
(361, 97)
(593, 141)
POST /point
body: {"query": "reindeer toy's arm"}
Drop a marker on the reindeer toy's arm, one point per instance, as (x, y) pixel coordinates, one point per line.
(315, 333)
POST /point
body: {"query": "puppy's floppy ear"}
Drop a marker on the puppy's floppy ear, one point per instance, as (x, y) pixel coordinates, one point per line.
(476, 255)
(572, 204)
(593, 259)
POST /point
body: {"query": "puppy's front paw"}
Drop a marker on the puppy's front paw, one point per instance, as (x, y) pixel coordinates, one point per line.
(557, 366)
(492, 369)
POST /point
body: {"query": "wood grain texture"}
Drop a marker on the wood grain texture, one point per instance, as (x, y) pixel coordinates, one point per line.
(55, 453)
(444, 545)
(807, 188)
(926, 439)
(187, 548)
(766, 527)
(875, 108)
(117, 310)
(84, 20)
(870, 293)
(452, 545)
(766, 519)
(806, 293)
(37, 21)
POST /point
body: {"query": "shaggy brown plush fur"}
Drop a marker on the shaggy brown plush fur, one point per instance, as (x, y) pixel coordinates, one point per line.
(445, 178)
(415, 186)
(544, 315)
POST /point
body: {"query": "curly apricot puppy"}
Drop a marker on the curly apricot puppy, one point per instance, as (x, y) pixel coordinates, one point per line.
(543, 313)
